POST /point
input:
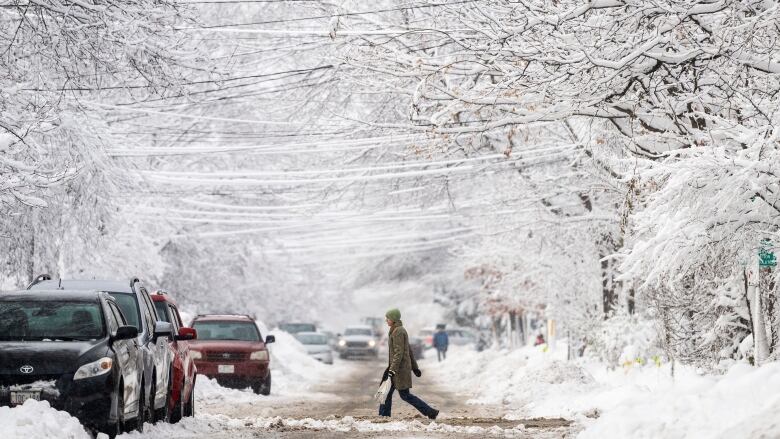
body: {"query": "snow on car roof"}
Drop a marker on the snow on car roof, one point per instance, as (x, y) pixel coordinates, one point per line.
(112, 286)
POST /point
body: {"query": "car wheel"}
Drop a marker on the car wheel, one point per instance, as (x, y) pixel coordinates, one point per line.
(164, 414)
(265, 388)
(189, 408)
(178, 409)
(140, 420)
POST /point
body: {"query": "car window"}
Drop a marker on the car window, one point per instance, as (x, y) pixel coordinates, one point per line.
(176, 316)
(312, 339)
(174, 319)
(50, 320)
(215, 330)
(162, 311)
(358, 331)
(294, 328)
(130, 307)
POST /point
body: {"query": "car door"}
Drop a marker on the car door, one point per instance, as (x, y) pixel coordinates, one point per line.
(129, 362)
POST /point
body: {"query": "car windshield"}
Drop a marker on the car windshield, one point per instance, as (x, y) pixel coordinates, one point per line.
(242, 331)
(162, 311)
(294, 328)
(128, 304)
(50, 320)
(358, 331)
(312, 338)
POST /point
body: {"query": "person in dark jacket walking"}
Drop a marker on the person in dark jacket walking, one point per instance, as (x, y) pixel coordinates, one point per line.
(441, 341)
(401, 365)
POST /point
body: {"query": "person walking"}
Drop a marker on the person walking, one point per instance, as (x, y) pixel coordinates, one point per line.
(401, 364)
(441, 341)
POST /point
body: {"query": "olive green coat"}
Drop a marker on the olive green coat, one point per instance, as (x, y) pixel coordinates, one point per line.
(401, 359)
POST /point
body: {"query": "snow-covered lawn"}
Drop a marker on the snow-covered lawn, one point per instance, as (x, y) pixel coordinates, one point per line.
(636, 402)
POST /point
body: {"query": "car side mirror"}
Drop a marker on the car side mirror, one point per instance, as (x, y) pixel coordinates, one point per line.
(163, 329)
(125, 333)
(186, 334)
(270, 339)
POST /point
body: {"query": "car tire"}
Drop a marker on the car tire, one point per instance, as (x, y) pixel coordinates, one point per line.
(189, 408)
(164, 414)
(178, 409)
(140, 419)
(263, 387)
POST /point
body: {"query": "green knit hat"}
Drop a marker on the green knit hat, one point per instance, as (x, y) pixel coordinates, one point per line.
(394, 315)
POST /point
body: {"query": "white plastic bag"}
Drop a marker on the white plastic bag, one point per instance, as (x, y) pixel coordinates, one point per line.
(382, 391)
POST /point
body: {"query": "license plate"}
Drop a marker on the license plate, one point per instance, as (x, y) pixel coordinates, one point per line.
(20, 397)
(226, 368)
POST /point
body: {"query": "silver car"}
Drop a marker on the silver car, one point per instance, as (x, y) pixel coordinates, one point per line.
(359, 340)
(316, 345)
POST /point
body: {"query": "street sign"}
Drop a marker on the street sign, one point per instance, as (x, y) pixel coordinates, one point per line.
(766, 257)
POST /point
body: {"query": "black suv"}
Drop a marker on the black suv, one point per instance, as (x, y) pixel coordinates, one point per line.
(153, 334)
(75, 350)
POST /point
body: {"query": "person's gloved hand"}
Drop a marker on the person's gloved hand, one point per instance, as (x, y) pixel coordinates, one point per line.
(385, 374)
(391, 373)
(417, 372)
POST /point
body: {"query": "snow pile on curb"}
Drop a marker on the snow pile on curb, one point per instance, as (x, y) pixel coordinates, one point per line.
(294, 370)
(636, 401)
(743, 403)
(38, 420)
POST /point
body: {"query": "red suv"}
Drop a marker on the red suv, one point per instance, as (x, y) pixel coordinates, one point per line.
(231, 349)
(181, 387)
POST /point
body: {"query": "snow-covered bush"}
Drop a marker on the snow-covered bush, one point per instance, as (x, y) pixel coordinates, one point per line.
(625, 340)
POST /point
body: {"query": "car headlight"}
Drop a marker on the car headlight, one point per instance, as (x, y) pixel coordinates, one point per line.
(95, 368)
(371, 343)
(259, 355)
(342, 342)
(196, 355)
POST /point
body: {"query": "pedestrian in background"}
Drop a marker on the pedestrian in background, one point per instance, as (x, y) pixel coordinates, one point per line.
(401, 364)
(441, 341)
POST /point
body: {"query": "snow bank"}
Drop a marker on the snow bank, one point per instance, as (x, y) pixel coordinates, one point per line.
(295, 371)
(38, 420)
(637, 401)
(743, 403)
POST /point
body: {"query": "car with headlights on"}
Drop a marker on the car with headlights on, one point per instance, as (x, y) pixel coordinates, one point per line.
(316, 345)
(133, 299)
(230, 349)
(359, 341)
(76, 350)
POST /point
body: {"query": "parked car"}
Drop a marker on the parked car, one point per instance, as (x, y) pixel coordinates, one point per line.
(181, 397)
(333, 340)
(359, 341)
(136, 305)
(231, 349)
(294, 328)
(426, 334)
(316, 345)
(76, 350)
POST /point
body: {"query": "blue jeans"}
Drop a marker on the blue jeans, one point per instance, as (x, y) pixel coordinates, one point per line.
(419, 404)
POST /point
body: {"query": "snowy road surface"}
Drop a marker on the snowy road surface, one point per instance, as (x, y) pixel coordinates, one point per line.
(343, 408)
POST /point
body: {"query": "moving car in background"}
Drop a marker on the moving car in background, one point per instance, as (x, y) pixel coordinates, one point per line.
(359, 341)
(230, 349)
(333, 340)
(75, 350)
(316, 345)
(136, 306)
(181, 396)
(294, 328)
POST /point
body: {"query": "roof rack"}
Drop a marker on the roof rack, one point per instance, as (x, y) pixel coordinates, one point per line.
(40, 278)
